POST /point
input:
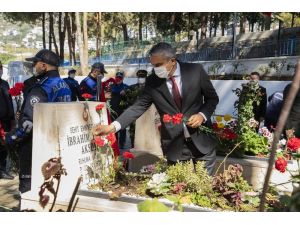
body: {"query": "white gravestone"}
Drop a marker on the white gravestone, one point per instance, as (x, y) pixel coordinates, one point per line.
(59, 129)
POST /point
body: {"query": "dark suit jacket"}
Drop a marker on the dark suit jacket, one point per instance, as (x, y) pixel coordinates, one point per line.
(293, 120)
(198, 95)
(259, 110)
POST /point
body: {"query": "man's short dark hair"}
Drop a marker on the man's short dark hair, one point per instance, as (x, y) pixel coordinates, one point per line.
(255, 73)
(163, 49)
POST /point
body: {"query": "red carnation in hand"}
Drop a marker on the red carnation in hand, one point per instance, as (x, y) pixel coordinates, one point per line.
(167, 118)
(87, 96)
(281, 164)
(99, 141)
(128, 155)
(19, 86)
(293, 144)
(99, 107)
(177, 118)
(2, 132)
(14, 91)
(111, 138)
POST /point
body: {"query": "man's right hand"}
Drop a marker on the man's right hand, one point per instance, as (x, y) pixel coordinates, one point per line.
(102, 130)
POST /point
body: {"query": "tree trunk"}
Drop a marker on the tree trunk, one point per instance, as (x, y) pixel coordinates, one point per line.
(74, 29)
(203, 27)
(210, 24)
(252, 27)
(50, 30)
(223, 29)
(69, 34)
(140, 26)
(242, 24)
(52, 38)
(44, 29)
(98, 38)
(80, 42)
(125, 32)
(293, 19)
(267, 23)
(85, 40)
(62, 34)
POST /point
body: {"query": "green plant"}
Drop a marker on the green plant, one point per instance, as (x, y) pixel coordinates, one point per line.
(264, 70)
(152, 206)
(215, 68)
(159, 184)
(230, 184)
(195, 178)
(5, 58)
(238, 68)
(278, 66)
(251, 142)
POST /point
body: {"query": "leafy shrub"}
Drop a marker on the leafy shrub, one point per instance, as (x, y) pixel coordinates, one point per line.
(195, 178)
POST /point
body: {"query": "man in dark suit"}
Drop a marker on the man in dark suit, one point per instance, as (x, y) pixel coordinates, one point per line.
(293, 120)
(176, 87)
(259, 109)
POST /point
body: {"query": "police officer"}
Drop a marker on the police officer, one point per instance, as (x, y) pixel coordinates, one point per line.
(73, 85)
(89, 84)
(118, 94)
(49, 88)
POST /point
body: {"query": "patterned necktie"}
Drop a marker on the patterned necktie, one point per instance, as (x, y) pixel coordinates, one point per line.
(175, 92)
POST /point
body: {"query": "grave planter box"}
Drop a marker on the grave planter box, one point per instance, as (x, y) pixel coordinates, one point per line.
(255, 170)
(98, 201)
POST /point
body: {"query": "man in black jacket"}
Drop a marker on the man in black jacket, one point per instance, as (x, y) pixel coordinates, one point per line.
(259, 109)
(6, 118)
(176, 87)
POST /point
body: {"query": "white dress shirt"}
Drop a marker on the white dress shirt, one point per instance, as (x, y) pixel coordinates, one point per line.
(177, 78)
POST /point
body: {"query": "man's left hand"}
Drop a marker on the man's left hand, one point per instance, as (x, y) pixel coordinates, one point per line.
(195, 120)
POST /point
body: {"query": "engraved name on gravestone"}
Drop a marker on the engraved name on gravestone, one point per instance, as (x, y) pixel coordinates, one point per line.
(61, 130)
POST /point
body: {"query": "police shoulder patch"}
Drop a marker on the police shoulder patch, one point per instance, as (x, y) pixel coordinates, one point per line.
(34, 99)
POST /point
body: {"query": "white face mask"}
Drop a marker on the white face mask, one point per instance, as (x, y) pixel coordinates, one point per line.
(161, 72)
(72, 75)
(34, 72)
(141, 80)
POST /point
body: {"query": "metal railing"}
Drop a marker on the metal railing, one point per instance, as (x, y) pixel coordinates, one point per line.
(290, 47)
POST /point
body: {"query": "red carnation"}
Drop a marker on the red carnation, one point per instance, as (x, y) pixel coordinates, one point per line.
(128, 155)
(19, 86)
(229, 134)
(293, 144)
(14, 91)
(281, 164)
(167, 118)
(99, 141)
(215, 126)
(99, 107)
(111, 138)
(177, 118)
(87, 96)
(2, 132)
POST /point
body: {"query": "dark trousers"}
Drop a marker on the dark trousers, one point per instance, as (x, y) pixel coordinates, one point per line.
(3, 150)
(190, 152)
(122, 137)
(24, 185)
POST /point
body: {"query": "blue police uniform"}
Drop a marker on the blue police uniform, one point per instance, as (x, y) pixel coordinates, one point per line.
(74, 87)
(49, 88)
(89, 85)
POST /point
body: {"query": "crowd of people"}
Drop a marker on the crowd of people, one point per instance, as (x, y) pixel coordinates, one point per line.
(173, 87)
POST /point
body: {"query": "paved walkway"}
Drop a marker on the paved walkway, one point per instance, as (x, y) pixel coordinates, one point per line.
(9, 195)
